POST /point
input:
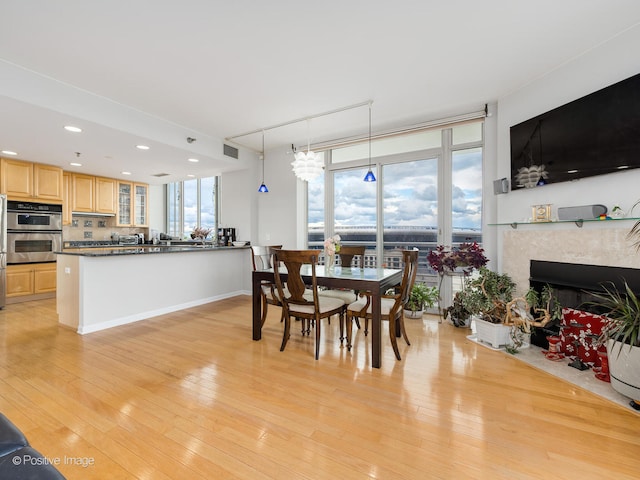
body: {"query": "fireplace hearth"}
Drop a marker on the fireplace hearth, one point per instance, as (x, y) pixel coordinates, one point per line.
(571, 283)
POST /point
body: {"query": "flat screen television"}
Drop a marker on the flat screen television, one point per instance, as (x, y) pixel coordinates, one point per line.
(593, 135)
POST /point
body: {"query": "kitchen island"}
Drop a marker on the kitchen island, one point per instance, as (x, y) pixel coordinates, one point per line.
(99, 288)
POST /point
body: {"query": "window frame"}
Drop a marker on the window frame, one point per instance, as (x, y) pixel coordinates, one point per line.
(170, 206)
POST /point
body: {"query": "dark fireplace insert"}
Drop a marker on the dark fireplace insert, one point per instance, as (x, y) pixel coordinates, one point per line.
(572, 284)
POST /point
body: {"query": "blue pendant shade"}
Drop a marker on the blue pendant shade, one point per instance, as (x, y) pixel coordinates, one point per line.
(263, 188)
(370, 177)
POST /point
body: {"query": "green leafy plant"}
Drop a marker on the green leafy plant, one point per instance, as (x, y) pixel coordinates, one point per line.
(495, 290)
(466, 302)
(623, 312)
(421, 295)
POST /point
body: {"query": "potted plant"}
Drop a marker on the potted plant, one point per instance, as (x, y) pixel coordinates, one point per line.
(466, 304)
(622, 337)
(494, 292)
(462, 260)
(421, 295)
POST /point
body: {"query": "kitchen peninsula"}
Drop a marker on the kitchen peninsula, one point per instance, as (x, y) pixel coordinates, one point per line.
(100, 288)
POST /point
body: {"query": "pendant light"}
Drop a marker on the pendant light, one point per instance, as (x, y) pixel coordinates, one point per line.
(263, 188)
(310, 165)
(370, 177)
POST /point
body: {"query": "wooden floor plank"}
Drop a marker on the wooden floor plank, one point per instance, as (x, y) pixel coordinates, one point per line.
(190, 395)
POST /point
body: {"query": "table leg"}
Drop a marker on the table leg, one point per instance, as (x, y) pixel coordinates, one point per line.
(376, 330)
(257, 308)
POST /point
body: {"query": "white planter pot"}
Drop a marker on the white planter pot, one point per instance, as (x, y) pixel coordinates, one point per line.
(494, 334)
(466, 323)
(624, 368)
(412, 314)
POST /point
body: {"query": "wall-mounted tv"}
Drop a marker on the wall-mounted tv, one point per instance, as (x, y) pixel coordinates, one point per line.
(593, 135)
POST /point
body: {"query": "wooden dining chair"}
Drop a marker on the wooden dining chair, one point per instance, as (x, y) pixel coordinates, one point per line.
(297, 301)
(347, 254)
(262, 259)
(392, 305)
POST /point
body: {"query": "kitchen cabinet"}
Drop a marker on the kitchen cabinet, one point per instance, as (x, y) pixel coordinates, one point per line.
(91, 194)
(82, 193)
(33, 181)
(132, 204)
(66, 199)
(105, 195)
(31, 279)
(47, 182)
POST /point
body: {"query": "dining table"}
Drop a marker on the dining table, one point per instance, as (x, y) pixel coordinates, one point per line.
(374, 280)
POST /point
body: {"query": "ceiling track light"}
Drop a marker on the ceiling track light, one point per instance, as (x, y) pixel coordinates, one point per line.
(370, 177)
(263, 188)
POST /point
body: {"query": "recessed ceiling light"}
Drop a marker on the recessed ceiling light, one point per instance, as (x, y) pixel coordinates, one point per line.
(190, 175)
(75, 164)
(142, 147)
(194, 160)
(71, 128)
(126, 173)
(9, 152)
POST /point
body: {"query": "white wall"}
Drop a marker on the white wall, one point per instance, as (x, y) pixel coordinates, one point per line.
(237, 202)
(609, 63)
(157, 208)
(280, 210)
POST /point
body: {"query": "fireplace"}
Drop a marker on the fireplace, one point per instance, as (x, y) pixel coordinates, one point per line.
(572, 283)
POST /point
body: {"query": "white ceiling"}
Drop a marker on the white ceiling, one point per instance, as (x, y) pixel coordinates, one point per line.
(159, 71)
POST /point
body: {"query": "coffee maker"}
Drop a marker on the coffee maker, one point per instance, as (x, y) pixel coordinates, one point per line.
(226, 236)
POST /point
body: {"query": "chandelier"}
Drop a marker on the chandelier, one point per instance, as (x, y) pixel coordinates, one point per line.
(307, 166)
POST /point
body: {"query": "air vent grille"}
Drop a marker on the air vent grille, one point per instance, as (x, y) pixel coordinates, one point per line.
(160, 174)
(230, 151)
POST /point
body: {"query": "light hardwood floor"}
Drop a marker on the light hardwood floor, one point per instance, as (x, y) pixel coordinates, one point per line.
(190, 395)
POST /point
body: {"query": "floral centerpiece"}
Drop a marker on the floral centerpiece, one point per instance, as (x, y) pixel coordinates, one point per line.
(331, 247)
(200, 233)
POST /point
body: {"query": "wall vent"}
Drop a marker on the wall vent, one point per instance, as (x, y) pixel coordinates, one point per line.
(230, 151)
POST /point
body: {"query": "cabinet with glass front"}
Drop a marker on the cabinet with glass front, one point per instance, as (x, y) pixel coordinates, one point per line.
(132, 204)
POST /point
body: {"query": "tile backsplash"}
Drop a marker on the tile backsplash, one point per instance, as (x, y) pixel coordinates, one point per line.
(85, 227)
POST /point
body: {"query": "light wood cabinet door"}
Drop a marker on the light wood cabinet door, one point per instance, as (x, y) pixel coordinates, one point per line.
(47, 182)
(17, 178)
(66, 199)
(44, 278)
(140, 205)
(105, 200)
(82, 193)
(133, 202)
(125, 204)
(20, 280)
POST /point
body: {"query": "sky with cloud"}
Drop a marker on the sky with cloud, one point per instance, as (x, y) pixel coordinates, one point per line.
(410, 194)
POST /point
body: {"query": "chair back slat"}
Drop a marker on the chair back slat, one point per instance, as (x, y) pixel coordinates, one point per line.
(347, 252)
(410, 259)
(262, 256)
(293, 260)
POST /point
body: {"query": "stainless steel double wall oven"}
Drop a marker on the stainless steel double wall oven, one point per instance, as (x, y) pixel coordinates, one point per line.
(34, 232)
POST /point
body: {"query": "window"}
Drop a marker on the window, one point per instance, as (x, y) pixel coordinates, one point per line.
(192, 203)
(429, 192)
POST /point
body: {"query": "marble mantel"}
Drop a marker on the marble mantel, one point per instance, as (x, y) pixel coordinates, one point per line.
(595, 244)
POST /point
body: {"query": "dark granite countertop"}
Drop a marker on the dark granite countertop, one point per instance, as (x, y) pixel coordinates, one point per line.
(109, 251)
